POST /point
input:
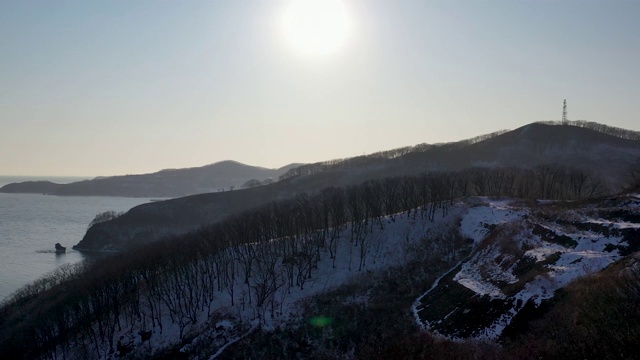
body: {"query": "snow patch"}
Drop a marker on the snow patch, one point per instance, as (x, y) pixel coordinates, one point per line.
(552, 265)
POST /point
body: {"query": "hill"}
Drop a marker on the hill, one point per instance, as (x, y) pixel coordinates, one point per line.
(597, 156)
(526, 147)
(167, 183)
(341, 274)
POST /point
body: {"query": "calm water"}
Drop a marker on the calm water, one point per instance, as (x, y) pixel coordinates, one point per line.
(31, 224)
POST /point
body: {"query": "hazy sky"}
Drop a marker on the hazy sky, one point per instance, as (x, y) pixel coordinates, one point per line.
(118, 87)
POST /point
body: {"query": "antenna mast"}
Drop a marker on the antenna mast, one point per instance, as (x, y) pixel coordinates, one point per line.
(564, 113)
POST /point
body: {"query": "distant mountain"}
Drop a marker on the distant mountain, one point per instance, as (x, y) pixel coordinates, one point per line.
(165, 183)
(602, 151)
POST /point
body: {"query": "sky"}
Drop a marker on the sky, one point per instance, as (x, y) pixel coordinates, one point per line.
(96, 88)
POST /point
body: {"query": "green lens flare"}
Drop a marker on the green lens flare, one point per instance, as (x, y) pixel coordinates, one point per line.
(320, 321)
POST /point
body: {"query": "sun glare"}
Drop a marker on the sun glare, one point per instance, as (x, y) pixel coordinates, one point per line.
(316, 27)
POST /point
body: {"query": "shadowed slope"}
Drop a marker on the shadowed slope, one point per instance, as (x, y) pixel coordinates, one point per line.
(526, 147)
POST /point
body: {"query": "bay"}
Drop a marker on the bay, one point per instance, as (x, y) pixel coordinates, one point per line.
(31, 224)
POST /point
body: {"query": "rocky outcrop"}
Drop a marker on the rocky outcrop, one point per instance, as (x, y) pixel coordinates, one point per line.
(60, 249)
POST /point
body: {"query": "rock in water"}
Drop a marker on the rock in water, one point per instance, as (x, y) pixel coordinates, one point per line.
(60, 249)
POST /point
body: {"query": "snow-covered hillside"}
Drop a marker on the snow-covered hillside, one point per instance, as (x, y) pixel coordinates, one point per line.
(513, 253)
(524, 255)
(236, 311)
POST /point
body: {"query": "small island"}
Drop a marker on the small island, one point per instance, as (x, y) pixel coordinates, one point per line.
(60, 249)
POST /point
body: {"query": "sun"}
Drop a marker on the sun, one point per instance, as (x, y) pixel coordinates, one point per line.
(316, 27)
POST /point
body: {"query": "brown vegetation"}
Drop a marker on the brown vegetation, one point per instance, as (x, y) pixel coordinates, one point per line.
(596, 317)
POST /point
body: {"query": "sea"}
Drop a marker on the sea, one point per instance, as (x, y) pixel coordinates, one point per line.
(31, 225)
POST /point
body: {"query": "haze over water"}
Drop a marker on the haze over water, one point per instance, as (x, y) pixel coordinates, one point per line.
(31, 224)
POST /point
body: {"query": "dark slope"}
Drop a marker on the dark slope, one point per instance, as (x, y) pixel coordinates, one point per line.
(527, 146)
(164, 183)
(152, 221)
(595, 317)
